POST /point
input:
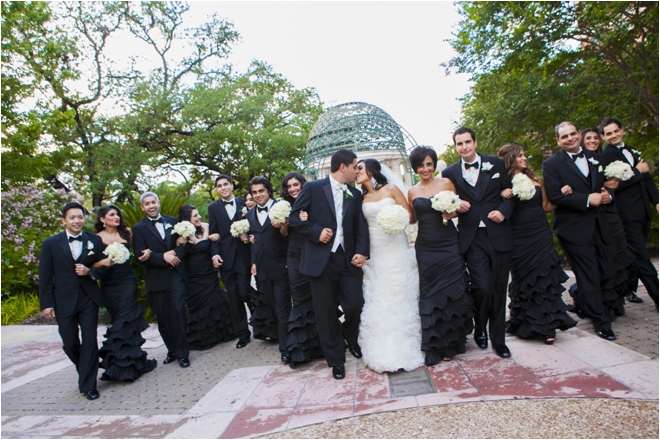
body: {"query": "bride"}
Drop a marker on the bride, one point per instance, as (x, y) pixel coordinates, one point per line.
(390, 327)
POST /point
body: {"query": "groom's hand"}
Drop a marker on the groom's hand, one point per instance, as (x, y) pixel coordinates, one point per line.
(326, 235)
(359, 260)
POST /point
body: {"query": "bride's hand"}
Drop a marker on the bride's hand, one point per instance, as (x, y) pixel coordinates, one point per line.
(359, 260)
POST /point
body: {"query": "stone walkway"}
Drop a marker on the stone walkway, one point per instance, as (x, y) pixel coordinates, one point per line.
(229, 393)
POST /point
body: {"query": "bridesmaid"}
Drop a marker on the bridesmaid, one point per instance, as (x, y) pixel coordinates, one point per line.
(444, 304)
(302, 338)
(121, 353)
(536, 307)
(249, 201)
(209, 321)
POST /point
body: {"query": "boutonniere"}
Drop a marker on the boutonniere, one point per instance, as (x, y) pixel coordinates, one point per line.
(636, 152)
(347, 194)
(244, 211)
(167, 226)
(90, 245)
(486, 167)
(593, 161)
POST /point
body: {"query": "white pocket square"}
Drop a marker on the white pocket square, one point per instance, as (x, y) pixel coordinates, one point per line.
(91, 253)
(495, 176)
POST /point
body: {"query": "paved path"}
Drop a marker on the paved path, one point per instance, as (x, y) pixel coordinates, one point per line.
(231, 393)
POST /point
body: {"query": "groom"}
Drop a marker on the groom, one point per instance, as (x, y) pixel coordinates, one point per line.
(336, 247)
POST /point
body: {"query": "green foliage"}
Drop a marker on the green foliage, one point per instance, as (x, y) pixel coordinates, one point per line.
(169, 205)
(16, 308)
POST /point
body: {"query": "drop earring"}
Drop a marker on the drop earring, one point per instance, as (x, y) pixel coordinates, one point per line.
(374, 183)
(103, 223)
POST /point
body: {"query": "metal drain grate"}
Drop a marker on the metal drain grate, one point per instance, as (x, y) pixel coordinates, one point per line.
(411, 383)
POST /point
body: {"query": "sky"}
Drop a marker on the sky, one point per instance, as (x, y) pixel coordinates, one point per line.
(384, 53)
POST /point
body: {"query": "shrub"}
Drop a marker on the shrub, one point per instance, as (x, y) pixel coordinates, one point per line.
(16, 308)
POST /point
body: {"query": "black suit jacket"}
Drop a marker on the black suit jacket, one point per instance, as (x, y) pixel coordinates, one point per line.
(574, 222)
(269, 248)
(157, 273)
(484, 198)
(58, 282)
(317, 200)
(234, 253)
(633, 196)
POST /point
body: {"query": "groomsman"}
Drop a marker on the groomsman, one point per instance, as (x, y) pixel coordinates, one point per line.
(580, 222)
(68, 293)
(164, 276)
(269, 258)
(231, 255)
(484, 235)
(633, 198)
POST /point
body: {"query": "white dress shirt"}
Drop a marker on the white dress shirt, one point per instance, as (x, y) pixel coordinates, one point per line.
(263, 215)
(629, 157)
(231, 209)
(472, 175)
(581, 162)
(160, 227)
(338, 190)
(75, 245)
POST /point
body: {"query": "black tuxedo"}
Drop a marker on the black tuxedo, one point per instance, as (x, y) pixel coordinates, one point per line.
(165, 284)
(333, 279)
(633, 201)
(76, 300)
(269, 256)
(583, 231)
(487, 249)
(235, 269)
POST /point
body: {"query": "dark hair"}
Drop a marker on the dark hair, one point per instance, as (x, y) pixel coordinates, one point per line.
(372, 167)
(509, 153)
(419, 153)
(463, 130)
(73, 205)
(260, 180)
(563, 124)
(122, 228)
(185, 214)
(606, 122)
(345, 157)
(284, 193)
(223, 176)
(589, 130)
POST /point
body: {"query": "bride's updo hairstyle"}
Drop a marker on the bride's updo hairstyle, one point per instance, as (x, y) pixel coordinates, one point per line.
(185, 215)
(372, 167)
(421, 152)
(509, 153)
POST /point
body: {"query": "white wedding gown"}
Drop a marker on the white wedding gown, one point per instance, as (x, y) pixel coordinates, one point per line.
(390, 327)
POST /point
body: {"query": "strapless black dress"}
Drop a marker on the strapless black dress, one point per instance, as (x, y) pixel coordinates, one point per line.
(536, 307)
(121, 354)
(444, 304)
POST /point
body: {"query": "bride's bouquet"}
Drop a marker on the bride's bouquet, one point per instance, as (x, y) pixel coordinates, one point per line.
(117, 252)
(393, 219)
(446, 201)
(619, 170)
(280, 211)
(240, 227)
(523, 187)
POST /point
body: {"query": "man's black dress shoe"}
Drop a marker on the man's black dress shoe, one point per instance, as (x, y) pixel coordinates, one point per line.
(634, 298)
(242, 343)
(607, 334)
(503, 351)
(286, 357)
(338, 372)
(355, 350)
(482, 341)
(168, 360)
(184, 362)
(91, 395)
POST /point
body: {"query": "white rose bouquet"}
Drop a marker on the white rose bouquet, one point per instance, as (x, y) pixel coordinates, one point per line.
(393, 219)
(280, 211)
(446, 201)
(117, 252)
(240, 227)
(619, 170)
(523, 187)
(184, 229)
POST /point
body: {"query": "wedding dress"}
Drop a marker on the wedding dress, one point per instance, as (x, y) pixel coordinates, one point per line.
(390, 327)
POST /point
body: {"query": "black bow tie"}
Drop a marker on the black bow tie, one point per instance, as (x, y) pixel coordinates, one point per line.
(260, 209)
(228, 203)
(474, 165)
(79, 238)
(158, 220)
(575, 156)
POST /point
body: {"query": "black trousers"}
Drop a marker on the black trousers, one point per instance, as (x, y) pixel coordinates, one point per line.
(85, 355)
(278, 296)
(337, 286)
(169, 306)
(584, 262)
(238, 291)
(636, 233)
(489, 275)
